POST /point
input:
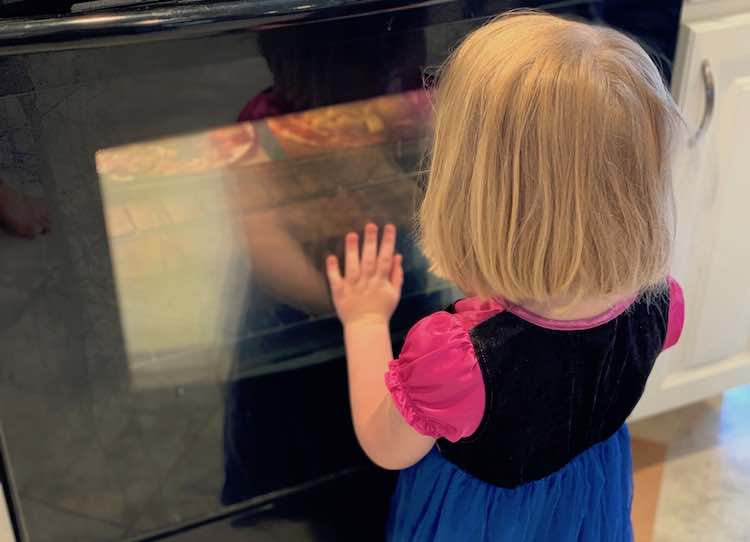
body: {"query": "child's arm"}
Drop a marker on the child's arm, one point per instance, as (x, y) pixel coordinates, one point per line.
(365, 298)
(281, 266)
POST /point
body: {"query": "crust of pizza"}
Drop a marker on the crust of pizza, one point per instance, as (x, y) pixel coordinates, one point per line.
(189, 155)
(356, 124)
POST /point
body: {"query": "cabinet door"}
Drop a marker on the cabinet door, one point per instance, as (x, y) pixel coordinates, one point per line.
(712, 193)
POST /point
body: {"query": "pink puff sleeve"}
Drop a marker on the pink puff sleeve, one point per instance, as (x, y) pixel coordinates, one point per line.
(436, 382)
(676, 317)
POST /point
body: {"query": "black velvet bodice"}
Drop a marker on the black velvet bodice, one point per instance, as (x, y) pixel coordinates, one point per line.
(551, 395)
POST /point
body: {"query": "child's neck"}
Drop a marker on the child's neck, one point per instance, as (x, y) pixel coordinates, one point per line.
(581, 309)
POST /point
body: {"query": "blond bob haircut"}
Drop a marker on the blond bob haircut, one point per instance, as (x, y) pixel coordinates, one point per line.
(549, 173)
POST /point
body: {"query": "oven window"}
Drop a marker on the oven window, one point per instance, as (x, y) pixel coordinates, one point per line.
(218, 238)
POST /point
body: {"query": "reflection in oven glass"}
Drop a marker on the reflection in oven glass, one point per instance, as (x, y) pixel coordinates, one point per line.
(233, 225)
(218, 241)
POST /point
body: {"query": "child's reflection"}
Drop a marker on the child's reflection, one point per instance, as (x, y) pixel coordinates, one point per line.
(287, 272)
(317, 75)
(263, 450)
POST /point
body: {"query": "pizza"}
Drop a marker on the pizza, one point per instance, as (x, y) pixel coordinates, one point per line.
(185, 155)
(128, 162)
(229, 144)
(356, 124)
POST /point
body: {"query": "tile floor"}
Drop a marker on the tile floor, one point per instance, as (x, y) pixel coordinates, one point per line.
(692, 472)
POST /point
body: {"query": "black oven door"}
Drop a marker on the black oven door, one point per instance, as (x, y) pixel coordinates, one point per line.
(172, 176)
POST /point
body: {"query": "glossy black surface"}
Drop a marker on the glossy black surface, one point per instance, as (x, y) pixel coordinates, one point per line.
(153, 379)
(152, 21)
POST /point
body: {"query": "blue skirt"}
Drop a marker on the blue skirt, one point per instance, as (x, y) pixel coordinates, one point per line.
(588, 500)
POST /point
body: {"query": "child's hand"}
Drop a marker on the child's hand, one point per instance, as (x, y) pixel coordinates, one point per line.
(371, 288)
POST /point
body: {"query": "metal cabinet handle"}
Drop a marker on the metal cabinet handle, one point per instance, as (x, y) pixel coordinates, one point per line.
(710, 103)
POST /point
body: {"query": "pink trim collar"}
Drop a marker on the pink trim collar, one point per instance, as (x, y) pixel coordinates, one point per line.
(475, 310)
(570, 325)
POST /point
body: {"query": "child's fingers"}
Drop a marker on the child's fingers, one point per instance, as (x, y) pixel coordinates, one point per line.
(397, 272)
(369, 249)
(387, 246)
(333, 272)
(352, 255)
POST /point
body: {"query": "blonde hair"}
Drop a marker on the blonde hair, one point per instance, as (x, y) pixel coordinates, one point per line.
(550, 166)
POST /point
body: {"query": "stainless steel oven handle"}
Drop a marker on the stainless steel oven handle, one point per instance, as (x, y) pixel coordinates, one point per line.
(710, 103)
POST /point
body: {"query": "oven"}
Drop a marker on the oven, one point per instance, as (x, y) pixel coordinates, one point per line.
(171, 365)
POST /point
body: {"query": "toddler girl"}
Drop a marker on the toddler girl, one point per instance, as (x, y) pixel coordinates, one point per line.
(549, 203)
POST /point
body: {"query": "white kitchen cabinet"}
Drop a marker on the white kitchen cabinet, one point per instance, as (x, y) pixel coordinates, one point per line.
(712, 254)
